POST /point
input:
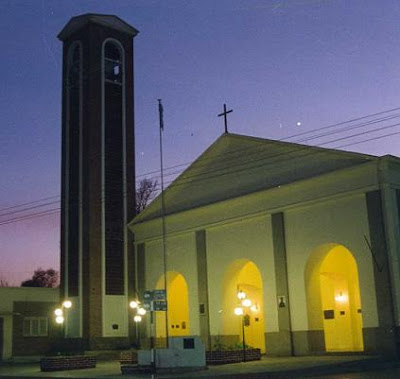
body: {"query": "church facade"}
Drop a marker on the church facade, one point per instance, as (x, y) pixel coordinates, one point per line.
(309, 237)
(292, 248)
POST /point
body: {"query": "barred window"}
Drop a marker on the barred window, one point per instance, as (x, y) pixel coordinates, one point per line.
(35, 327)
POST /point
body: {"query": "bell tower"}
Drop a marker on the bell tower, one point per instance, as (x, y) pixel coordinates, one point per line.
(98, 178)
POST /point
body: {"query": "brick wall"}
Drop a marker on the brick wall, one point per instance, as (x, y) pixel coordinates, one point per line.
(67, 363)
(33, 345)
(109, 343)
(232, 356)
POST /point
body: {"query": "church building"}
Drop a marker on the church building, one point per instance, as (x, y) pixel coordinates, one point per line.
(293, 248)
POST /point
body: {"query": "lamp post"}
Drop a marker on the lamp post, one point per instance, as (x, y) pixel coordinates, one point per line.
(61, 315)
(241, 310)
(139, 312)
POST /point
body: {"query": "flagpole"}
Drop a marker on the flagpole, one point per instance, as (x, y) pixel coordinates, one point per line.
(161, 120)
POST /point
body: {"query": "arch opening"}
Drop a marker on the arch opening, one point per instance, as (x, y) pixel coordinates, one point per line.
(243, 276)
(113, 161)
(333, 298)
(178, 307)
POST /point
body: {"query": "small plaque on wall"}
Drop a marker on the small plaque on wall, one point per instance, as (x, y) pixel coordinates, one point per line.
(329, 314)
(202, 309)
(281, 301)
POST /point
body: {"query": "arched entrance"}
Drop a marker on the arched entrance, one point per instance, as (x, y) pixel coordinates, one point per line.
(243, 276)
(333, 297)
(178, 306)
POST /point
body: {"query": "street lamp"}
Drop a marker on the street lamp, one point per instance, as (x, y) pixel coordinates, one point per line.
(61, 312)
(241, 310)
(140, 311)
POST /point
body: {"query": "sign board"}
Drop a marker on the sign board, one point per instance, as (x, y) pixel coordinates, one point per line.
(159, 305)
(149, 295)
(159, 295)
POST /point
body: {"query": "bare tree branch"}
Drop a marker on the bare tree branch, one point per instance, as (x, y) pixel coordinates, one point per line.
(145, 193)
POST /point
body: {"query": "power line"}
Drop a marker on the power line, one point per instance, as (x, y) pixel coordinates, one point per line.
(340, 123)
(33, 215)
(222, 170)
(29, 203)
(254, 151)
(357, 126)
(286, 154)
(29, 208)
(236, 153)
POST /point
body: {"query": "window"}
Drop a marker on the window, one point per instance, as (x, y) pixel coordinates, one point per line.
(35, 327)
(113, 166)
(112, 64)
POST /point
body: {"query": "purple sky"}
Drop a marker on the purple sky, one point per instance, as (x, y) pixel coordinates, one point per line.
(285, 67)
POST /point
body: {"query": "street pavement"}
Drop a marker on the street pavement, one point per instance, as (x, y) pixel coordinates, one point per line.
(329, 367)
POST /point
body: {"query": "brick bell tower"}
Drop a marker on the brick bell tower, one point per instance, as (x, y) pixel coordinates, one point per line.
(98, 179)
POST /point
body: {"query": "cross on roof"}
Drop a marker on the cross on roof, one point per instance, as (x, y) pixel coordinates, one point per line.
(224, 113)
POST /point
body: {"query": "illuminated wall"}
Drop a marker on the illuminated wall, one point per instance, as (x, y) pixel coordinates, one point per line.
(312, 231)
(333, 298)
(178, 307)
(323, 246)
(241, 254)
(243, 275)
(181, 282)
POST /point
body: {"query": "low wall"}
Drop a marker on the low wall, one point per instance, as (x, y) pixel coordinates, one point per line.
(67, 363)
(232, 356)
(128, 357)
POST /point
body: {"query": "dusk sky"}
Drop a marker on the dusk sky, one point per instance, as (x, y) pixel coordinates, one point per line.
(285, 67)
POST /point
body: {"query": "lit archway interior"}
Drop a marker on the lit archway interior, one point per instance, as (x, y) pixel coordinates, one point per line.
(333, 298)
(178, 307)
(243, 275)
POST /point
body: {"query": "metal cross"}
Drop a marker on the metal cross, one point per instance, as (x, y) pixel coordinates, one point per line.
(224, 113)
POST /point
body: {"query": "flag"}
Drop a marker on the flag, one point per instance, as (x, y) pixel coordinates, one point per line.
(161, 114)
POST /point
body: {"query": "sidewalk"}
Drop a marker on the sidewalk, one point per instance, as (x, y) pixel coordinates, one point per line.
(282, 367)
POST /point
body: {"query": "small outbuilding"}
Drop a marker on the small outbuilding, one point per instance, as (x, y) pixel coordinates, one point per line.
(27, 326)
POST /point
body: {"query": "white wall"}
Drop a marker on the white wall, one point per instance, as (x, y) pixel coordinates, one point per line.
(250, 240)
(182, 258)
(115, 311)
(341, 221)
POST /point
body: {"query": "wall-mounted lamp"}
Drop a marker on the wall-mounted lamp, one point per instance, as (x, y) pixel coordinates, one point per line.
(341, 298)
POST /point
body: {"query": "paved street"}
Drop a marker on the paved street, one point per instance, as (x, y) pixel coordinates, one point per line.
(330, 367)
(381, 374)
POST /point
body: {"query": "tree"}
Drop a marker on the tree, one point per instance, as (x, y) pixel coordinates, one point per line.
(4, 282)
(43, 278)
(145, 192)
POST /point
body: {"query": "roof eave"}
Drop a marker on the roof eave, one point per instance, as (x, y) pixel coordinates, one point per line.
(78, 22)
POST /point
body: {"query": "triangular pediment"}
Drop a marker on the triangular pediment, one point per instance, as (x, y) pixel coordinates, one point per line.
(236, 165)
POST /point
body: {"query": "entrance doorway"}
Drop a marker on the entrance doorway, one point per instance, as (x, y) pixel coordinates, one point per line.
(243, 277)
(333, 298)
(178, 306)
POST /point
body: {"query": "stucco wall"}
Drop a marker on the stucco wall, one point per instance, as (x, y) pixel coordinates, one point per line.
(341, 221)
(327, 209)
(247, 240)
(180, 258)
